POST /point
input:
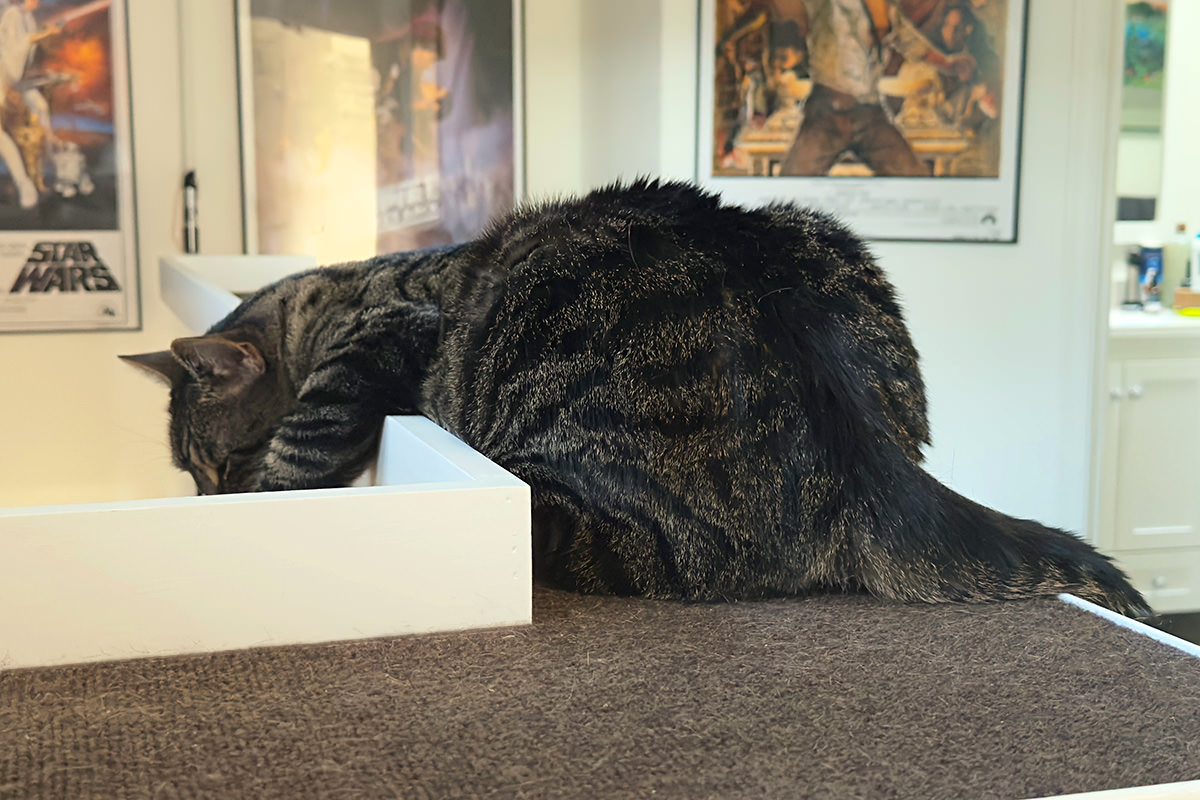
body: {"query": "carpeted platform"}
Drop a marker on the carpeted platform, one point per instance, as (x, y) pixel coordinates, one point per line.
(828, 697)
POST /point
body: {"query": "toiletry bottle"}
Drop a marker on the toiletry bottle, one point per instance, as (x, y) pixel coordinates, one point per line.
(1176, 255)
(1192, 279)
(1151, 275)
(1132, 299)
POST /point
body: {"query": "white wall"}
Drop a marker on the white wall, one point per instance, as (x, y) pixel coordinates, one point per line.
(1006, 331)
(553, 101)
(1139, 164)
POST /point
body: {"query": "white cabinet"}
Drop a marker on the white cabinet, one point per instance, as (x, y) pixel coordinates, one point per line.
(1150, 463)
(1156, 411)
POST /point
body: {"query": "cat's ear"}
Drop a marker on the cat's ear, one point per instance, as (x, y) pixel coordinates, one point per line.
(162, 364)
(219, 360)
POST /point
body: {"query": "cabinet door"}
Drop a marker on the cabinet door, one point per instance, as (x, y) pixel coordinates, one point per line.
(1158, 466)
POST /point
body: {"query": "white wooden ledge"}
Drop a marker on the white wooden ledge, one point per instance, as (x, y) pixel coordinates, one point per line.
(441, 543)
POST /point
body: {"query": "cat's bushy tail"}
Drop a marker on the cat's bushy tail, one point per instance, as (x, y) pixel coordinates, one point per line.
(905, 535)
(912, 538)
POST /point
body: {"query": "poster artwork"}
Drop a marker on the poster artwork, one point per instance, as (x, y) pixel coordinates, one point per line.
(923, 93)
(66, 251)
(379, 126)
(444, 117)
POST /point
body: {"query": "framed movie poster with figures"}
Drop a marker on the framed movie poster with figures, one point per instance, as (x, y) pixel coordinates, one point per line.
(373, 126)
(901, 117)
(67, 237)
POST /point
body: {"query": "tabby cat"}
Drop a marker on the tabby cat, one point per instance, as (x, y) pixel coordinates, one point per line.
(708, 402)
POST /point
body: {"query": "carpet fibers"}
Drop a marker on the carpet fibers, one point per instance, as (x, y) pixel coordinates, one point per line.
(839, 697)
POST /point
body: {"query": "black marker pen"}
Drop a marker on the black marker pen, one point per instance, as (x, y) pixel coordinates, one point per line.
(191, 231)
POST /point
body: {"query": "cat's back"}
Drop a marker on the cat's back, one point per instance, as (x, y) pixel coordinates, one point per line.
(663, 240)
(637, 262)
(683, 312)
(325, 305)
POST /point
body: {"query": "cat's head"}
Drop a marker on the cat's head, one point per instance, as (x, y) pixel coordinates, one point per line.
(226, 400)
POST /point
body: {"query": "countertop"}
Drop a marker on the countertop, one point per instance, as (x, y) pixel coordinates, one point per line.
(1122, 323)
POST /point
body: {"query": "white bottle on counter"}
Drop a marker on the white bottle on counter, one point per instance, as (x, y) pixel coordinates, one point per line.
(1192, 278)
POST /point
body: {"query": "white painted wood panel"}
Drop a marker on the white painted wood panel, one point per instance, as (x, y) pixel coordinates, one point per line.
(447, 549)
(201, 290)
(1162, 791)
(1158, 439)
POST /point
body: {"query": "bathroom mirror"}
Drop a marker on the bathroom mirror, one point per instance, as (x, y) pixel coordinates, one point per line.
(1140, 144)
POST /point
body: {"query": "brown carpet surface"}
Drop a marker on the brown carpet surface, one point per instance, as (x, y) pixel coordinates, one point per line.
(838, 697)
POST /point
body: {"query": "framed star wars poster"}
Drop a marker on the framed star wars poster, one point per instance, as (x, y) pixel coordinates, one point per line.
(901, 117)
(67, 236)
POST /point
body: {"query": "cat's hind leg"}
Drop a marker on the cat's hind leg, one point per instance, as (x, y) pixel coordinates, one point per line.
(584, 551)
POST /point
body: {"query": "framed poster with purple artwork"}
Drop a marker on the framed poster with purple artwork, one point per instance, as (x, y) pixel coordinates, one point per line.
(902, 117)
(372, 126)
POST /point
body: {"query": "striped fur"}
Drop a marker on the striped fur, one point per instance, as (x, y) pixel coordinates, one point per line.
(708, 401)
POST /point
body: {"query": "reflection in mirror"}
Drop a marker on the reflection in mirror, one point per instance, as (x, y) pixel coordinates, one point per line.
(1140, 146)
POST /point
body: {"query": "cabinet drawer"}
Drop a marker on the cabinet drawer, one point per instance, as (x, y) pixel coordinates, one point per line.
(1169, 579)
